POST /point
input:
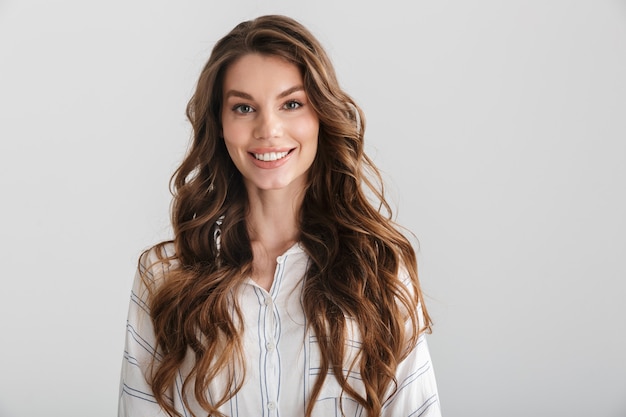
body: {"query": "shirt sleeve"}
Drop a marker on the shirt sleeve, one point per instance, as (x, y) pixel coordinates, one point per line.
(135, 395)
(416, 394)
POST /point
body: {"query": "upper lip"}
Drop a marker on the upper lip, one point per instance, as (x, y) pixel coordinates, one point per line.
(269, 150)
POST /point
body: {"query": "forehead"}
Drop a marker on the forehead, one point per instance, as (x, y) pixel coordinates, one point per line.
(261, 73)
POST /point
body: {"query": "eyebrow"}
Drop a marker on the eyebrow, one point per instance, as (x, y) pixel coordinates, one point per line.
(241, 94)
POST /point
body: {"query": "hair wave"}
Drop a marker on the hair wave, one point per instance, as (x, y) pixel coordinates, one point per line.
(356, 249)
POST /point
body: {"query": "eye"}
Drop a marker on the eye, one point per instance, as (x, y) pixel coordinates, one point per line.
(292, 105)
(243, 108)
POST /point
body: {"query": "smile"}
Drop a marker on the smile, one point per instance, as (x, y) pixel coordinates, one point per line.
(270, 156)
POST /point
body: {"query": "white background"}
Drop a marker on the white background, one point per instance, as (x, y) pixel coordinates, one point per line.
(500, 126)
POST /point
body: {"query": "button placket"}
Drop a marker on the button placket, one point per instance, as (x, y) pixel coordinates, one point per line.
(272, 333)
(271, 357)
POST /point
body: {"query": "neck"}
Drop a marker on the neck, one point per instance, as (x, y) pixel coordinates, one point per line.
(272, 218)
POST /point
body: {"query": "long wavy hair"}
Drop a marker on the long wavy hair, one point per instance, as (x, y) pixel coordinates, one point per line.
(356, 250)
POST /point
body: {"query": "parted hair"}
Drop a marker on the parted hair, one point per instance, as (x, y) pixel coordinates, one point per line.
(358, 254)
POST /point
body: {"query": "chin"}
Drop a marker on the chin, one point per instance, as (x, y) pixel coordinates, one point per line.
(277, 185)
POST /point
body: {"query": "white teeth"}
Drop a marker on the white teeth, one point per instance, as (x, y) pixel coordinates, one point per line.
(270, 156)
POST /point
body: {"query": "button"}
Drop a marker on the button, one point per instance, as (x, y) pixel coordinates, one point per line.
(270, 346)
(280, 259)
(271, 405)
(268, 301)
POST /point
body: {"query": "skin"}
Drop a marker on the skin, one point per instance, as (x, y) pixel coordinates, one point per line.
(266, 112)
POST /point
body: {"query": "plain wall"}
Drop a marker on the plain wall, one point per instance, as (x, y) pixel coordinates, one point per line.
(500, 127)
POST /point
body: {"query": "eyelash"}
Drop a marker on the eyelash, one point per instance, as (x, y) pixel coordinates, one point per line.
(293, 102)
(238, 108)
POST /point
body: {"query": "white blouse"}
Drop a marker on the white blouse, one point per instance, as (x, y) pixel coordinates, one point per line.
(282, 359)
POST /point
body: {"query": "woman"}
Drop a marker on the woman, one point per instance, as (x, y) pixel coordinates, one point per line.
(285, 291)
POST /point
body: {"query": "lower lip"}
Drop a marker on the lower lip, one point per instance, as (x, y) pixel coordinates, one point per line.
(270, 164)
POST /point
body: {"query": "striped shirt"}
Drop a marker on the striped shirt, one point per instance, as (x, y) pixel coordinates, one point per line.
(282, 359)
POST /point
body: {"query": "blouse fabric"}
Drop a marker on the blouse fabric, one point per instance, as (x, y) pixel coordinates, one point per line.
(282, 358)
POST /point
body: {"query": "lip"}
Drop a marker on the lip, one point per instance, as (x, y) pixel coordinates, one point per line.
(268, 150)
(270, 164)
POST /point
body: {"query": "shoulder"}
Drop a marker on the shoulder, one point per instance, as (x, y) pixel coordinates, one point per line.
(154, 265)
(411, 296)
(162, 253)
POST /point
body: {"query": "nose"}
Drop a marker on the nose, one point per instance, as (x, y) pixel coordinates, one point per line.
(268, 125)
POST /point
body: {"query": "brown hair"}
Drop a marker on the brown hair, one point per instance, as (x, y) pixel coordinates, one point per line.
(356, 251)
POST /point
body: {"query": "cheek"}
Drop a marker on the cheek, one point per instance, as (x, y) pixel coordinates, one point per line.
(308, 131)
(233, 143)
(234, 136)
(310, 145)
(232, 129)
(236, 153)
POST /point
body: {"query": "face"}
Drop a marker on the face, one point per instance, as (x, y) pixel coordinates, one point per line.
(269, 126)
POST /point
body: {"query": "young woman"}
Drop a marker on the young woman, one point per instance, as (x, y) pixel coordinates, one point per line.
(285, 291)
